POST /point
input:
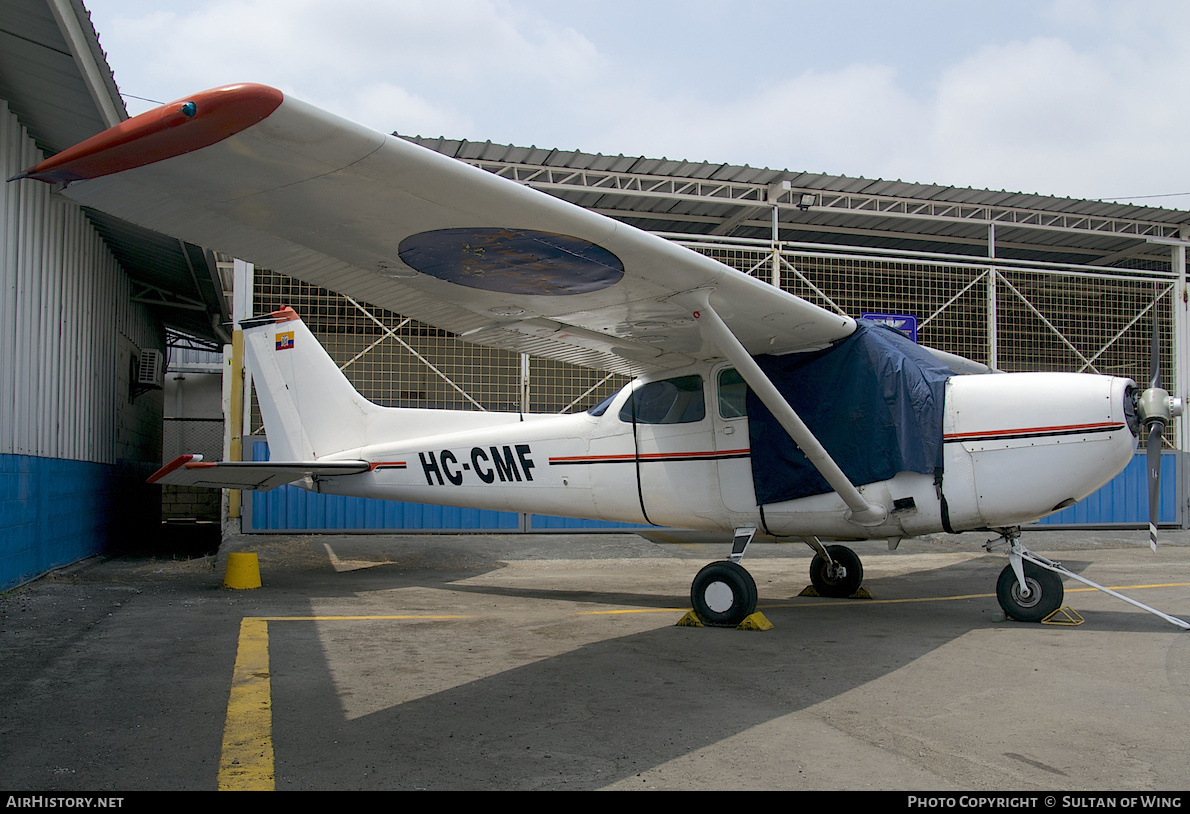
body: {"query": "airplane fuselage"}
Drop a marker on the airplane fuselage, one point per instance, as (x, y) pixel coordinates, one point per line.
(1017, 447)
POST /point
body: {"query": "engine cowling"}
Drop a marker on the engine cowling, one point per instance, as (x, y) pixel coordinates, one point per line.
(1021, 446)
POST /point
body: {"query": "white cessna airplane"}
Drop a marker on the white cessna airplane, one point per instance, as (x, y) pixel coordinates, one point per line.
(755, 412)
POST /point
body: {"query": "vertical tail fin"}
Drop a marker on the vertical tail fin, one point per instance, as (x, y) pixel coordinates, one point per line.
(310, 410)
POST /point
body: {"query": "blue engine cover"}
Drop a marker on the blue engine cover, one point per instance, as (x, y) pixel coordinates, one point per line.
(874, 400)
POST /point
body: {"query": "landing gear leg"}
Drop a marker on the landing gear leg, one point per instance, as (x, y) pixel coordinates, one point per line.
(1030, 586)
(723, 593)
(1027, 591)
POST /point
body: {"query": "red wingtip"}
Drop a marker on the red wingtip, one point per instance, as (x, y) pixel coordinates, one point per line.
(176, 463)
(171, 130)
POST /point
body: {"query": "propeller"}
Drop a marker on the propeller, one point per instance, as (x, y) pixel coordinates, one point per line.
(1156, 408)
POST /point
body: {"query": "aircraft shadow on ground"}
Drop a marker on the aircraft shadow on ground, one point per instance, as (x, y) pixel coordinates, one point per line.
(607, 710)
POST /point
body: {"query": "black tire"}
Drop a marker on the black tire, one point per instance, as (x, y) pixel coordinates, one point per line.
(832, 585)
(723, 594)
(1045, 593)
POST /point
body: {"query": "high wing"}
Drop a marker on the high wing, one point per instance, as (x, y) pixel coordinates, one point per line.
(272, 180)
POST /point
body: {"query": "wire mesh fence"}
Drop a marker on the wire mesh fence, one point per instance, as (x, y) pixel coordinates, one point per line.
(1017, 319)
(394, 361)
(1045, 320)
(188, 435)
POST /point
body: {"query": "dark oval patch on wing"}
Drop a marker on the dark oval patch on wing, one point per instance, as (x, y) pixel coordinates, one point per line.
(512, 261)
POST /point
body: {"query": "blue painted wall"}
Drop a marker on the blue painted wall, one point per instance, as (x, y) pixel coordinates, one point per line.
(289, 508)
(55, 511)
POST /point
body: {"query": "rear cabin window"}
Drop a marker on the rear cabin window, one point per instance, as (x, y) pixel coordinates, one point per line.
(670, 401)
(733, 394)
(601, 407)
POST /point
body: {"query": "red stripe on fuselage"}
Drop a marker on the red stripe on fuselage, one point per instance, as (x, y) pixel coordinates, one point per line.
(165, 132)
(1067, 428)
(649, 456)
(386, 465)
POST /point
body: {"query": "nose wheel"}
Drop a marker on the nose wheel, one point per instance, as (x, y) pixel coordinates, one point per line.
(1030, 586)
(1044, 595)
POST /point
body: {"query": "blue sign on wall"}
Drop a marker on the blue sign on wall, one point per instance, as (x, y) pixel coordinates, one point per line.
(905, 323)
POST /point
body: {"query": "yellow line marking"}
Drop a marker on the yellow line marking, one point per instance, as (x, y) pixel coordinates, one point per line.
(869, 602)
(1133, 587)
(358, 618)
(247, 760)
(246, 763)
(630, 610)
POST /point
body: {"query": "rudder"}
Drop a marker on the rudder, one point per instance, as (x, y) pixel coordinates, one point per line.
(309, 407)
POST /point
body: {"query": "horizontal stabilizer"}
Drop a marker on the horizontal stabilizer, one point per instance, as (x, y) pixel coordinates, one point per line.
(191, 470)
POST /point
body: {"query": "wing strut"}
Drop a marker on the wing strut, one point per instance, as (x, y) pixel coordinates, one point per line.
(861, 511)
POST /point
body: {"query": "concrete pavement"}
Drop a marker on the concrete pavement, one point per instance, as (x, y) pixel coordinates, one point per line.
(553, 662)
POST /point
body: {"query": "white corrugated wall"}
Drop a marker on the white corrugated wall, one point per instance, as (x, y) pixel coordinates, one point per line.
(65, 305)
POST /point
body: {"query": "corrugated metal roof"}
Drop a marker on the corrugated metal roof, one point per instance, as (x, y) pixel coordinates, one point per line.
(1028, 226)
(46, 90)
(40, 79)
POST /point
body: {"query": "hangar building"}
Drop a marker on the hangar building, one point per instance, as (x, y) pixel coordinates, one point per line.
(91, 305)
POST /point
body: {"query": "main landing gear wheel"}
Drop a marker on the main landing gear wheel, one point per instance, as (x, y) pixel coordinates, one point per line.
(841, 579)
(723, 594)
(1045, 593)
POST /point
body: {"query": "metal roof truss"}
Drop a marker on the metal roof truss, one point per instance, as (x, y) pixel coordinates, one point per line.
(786, 196)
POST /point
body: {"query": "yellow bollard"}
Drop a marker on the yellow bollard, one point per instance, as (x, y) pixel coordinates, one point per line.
(243, 571)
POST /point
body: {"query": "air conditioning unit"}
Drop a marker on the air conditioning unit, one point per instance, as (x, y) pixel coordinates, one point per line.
(150, 370)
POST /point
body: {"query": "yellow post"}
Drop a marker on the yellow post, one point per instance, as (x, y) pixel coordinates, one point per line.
(243, 570)
(236, 415)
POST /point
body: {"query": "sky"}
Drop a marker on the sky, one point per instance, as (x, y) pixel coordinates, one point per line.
(1075, 98)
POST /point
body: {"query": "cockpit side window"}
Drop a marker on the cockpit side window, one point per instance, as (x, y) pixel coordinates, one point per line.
(669, 401)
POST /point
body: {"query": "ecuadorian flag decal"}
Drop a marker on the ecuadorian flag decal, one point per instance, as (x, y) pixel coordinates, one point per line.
(285, 341)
